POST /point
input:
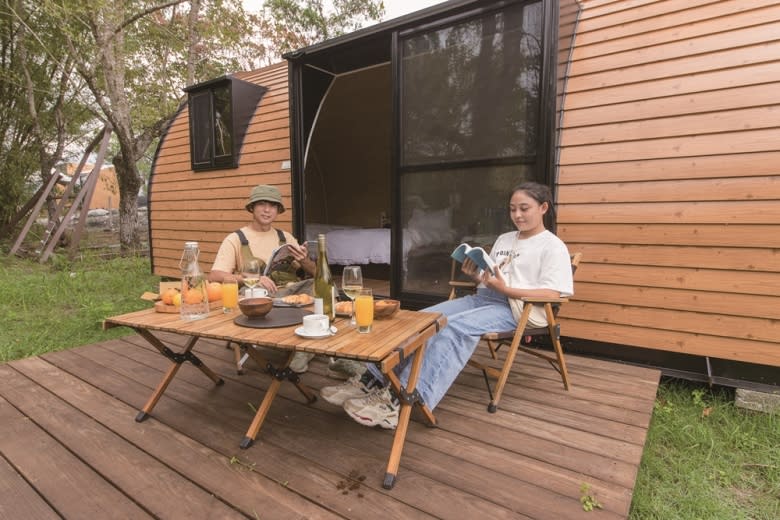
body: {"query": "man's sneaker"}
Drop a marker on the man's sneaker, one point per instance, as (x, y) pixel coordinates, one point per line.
(300, 362)
(340, 368)
(355, 386)
(378, 408)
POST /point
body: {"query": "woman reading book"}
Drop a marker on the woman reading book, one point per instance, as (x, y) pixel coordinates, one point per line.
(532, 262)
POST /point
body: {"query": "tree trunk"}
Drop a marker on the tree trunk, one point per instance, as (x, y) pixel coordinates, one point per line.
(194, 40)
(129, 183)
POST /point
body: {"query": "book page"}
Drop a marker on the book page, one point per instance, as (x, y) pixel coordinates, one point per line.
(280, 256)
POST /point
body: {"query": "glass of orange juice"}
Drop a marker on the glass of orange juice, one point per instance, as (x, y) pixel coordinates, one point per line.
(229, 294)
(364, 310)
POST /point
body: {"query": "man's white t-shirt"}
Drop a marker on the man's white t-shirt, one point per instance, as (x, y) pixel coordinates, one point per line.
(539, 262)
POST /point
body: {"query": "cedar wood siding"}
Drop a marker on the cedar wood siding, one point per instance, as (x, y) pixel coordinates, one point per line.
(207, 205)
(669, 176)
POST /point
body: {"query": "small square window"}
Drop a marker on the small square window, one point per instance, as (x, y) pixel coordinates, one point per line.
(211, 128)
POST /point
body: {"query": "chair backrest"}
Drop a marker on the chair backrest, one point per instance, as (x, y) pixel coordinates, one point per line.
(575, 261)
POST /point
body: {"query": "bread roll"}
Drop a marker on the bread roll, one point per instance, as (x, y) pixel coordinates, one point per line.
(298, 299)
(344, 307)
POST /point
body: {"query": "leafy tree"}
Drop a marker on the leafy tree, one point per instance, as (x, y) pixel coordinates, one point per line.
(42, 113)
(135, 57)
(288, 25)
(127, 62)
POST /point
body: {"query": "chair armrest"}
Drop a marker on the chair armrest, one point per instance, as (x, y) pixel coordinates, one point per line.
(530, 299)
(455, 283)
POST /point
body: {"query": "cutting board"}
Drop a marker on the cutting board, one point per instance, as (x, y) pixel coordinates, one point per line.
(172, 309)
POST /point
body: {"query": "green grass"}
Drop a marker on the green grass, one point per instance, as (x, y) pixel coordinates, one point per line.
(704, 458)
(707, 459)
(61, 304)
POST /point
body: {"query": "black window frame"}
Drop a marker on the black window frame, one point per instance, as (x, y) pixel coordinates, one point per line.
(197, 127)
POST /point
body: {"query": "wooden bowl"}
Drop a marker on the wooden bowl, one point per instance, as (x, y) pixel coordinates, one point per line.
(255, 307)
(386, 308)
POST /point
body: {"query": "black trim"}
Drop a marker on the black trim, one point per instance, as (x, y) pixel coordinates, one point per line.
(546, 124)
(297, 145)
(244, 98)
(396, 233)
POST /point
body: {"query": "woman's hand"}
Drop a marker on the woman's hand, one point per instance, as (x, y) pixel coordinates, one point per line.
(495, 282)
(470, 269)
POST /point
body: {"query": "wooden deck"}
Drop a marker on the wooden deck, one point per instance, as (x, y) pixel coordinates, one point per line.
(70, 447)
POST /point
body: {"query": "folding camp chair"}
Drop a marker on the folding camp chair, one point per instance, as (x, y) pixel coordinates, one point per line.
(520, 338)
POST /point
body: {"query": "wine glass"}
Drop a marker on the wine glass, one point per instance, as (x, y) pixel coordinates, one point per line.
(351, 283)
(251, 275)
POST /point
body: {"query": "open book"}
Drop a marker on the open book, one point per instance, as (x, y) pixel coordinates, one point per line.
(477, 255)
(280, 260)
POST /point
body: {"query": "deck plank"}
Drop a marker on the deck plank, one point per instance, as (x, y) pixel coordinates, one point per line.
(191, 406)
(132, 471)
(526, 461)
(72, 488)
(27, 503)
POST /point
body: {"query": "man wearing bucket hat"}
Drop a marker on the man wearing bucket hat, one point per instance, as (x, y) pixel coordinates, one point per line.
(259, 239)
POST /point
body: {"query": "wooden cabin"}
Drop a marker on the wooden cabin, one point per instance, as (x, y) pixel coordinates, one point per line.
(204, 205)
(655, 121)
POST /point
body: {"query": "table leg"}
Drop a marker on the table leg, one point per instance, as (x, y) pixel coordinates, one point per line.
(283, 373)
(177, 359)
(262, 411)
(408, 397)
(277, 377)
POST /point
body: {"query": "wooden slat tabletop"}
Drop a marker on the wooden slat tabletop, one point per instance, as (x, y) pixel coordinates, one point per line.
(387, 334)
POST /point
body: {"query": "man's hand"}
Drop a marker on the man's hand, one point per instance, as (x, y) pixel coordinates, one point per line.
(268, 284)
(300, 253)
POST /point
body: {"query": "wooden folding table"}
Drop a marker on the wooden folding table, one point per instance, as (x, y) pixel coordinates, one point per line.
(390, 342)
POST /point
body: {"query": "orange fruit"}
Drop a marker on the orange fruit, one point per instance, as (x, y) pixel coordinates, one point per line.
(214, 291)
(177, 300)
(193, 296)
(168, 294)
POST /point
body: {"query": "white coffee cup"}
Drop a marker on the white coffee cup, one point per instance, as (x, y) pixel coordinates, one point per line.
(255, 292)
(316, 324)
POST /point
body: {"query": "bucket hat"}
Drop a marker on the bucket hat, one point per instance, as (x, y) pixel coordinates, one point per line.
(266, 193)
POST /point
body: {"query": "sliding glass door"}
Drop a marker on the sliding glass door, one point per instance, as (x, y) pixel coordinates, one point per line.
(469, 111)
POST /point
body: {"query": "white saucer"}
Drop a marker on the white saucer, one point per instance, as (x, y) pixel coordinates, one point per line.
(302, 333)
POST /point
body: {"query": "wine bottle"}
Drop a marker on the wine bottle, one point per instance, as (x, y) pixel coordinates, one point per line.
(324, 287)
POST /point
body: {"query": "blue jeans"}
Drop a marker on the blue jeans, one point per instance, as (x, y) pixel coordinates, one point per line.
(450, 349)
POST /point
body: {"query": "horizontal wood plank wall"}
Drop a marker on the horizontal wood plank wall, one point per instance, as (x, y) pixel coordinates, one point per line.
(669, 176)
(205, 206)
